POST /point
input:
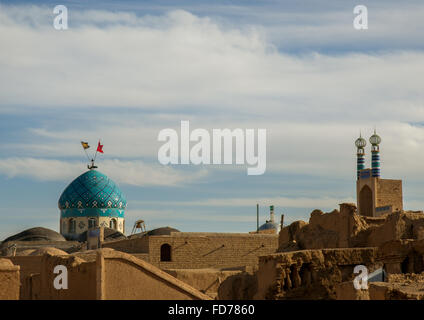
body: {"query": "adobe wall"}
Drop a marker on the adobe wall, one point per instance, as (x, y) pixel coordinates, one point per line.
(142, 256)
(402, 256)
(208, 281)
(212, 250)
(310, 274)
(324, 230)
(346, 291)
(122, 276)
(28, 265)
(9, 280)
(135, 245)
(81, 279)
(397, 287)
(389, 192)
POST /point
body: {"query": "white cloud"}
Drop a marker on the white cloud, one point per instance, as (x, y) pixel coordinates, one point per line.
(134, 173)
(179, 59)
(312, 105)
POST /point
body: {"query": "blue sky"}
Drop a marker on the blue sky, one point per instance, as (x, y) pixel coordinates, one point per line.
(125, 70)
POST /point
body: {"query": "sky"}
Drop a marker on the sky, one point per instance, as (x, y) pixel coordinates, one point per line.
(124, 70)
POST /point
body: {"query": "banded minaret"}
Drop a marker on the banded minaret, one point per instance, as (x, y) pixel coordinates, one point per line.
(375, 141)
(360, 144)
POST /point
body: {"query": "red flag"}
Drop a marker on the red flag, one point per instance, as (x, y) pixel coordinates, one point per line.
(100, 147)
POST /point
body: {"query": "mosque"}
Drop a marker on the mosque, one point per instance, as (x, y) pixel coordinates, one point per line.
(375, 196)
(92, 200)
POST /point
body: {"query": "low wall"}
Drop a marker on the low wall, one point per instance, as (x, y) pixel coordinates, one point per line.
(9, 280)
(122, 276)
(111, 275)
(28, 265)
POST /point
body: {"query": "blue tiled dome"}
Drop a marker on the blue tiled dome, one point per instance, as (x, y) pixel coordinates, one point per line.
(92, 191)
(268, 225)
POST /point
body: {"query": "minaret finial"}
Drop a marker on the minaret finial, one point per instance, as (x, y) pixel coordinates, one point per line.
(375, 141)
(360, 144)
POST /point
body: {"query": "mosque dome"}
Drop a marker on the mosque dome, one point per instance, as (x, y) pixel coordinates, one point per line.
(162, 231)
(36, 234)
(92, 190)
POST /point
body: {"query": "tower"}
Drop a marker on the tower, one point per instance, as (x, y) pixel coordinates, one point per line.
(375, 141)
(360, 144)
(375, 196)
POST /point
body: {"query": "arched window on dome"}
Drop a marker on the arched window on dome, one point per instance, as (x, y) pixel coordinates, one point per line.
(112, 224)
(72, 225)
(165, 252)
(92, 223)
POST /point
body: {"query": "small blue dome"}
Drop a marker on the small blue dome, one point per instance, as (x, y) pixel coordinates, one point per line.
(92, 190)
(268, 225)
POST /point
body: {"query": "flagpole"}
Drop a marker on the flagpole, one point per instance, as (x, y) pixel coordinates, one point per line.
(88, 158)
(96, 151)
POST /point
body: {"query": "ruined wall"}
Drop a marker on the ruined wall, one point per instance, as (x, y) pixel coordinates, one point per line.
(389, 192)
(211, 250)
(397, 287)
(9, 280)
(348, 229)
(402, 256)
(324, 230)
(310, 274)
(347, 291)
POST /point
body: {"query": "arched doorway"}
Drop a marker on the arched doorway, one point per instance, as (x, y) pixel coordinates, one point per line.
(365, 201)
(165, 252)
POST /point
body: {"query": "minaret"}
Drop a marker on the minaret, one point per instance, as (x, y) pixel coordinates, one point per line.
(360, 144)
(375, 140)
